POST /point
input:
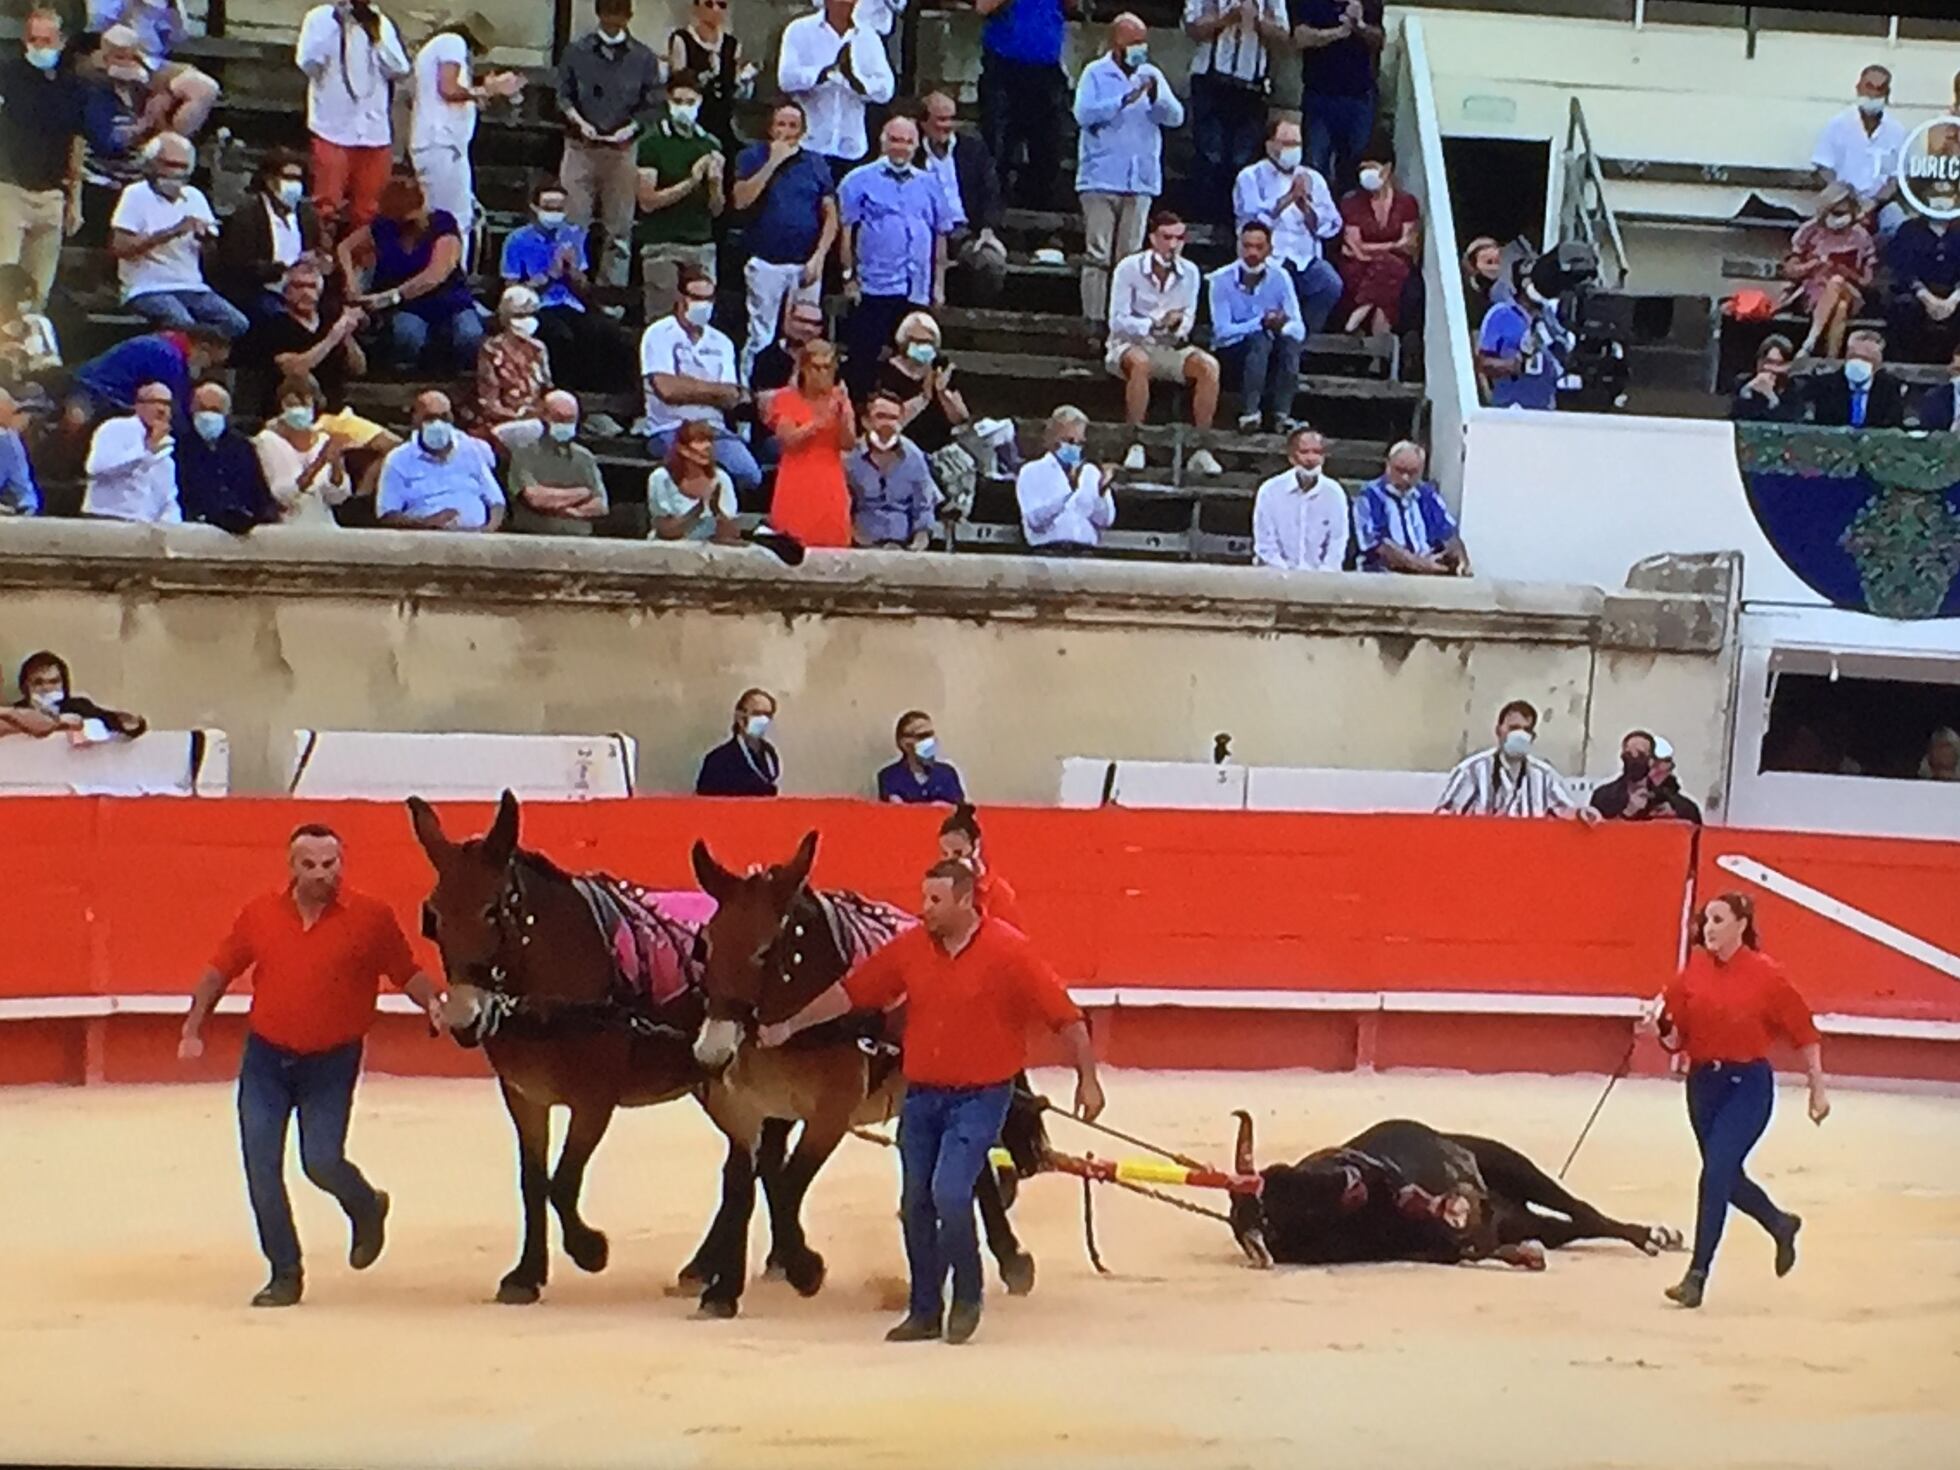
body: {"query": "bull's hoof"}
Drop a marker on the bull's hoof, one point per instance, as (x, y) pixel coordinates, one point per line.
(715, 1309)
(1017, 1274)
(518, 1291)
(1526, 1256)
(806, 1273)
(1257, 1253)
(589, 1249)
(1662, 1238)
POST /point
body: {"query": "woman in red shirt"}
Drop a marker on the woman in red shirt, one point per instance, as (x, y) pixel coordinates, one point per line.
(1722, 1011)
(959, 838)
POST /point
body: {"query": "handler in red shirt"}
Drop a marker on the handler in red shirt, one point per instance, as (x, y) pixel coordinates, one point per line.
(317, 955)
(1723, 1011)
(971, 987)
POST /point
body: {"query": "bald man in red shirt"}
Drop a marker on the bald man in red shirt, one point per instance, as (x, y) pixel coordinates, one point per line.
(317, 954)
(972, 986)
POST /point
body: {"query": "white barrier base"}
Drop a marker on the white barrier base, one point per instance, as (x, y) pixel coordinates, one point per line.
(160, 763)
(382, 765)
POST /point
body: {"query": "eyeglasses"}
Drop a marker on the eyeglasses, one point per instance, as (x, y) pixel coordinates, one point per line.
(155, 402)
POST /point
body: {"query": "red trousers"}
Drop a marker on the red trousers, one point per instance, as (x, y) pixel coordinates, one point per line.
(347, 182)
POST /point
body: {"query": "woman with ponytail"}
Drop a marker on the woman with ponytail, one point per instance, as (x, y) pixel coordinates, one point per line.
(959, 837)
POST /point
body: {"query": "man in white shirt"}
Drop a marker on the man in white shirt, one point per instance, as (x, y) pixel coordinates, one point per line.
(446, 100)
(1153, 304)
(352, 56)
(833, 68)
(440, 480)
(1860, 148)
(1066, 505)
(154, 235)
(689, 371)
(1300, 517)
(132, 467)
(1294, 202)
(1507, 780)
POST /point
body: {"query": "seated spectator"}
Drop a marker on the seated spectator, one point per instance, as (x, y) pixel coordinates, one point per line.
(1483, 275)
(1507, 780)
(690, 497)
(680, 193)
(919, 776)
(1831, 260)
(964, 170)
(895, 225)
(1153, 304)
(19, 495)
(933, 412)
(1923, 260)
(179, 90)
(219, 479)
(1401, 523)
(689, 371)
(1257, 332)
(440, 480)
(1942, 759)
(416, 289)
(1860, 394)
(1940, 408)
(892, 494)
(555, 485)
(791, 230)
(47, 688)
(154, 235)
(1859, 151)
(132, 473)
(305, 467)
(119, 118)
(1646, 789)
(1300, 516)
(513, 372)
(266, 235)
(588, 349)
(813, 421)
(1769, 397)
(1293, 201)
(108, 383)
(775, 365)
(300, 341)
(1522, 348)
(1066, 504)
(746, 764)
(1381, 246)
(29, 349)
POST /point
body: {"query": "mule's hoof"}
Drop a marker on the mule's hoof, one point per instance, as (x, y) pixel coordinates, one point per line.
(513, 1292)
(1010, 1186)
(806, 1273)
(773, 1269)
(1017, 1274)
(589, 1250)
(715, 1310)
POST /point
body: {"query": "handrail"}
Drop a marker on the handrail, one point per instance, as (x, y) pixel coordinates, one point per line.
(1585, 204)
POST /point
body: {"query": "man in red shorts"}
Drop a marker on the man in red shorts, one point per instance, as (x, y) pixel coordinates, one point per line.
(317, 955)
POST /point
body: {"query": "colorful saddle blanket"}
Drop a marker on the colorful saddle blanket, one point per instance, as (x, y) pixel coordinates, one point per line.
(655, 937)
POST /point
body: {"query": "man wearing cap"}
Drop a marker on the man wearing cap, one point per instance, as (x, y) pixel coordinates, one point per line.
(1646, 788)
(446, 100)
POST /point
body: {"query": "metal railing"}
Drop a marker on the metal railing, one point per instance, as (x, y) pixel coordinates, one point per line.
(1585, 213)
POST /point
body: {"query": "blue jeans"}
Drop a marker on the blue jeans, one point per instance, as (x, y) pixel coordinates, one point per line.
(273, 1083)
(944, 1134)
(406, 339)
(1729, 1108)
(1269, 373)
(1319, 288)
(177, 310)
(1227, 125)
(730, 453)
(1337, 132)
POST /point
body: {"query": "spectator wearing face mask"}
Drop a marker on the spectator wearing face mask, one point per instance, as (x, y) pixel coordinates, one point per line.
(219, 479)
(1066, 504)
(440, 480)
(1401, 523)
(305, 466)
(301, 341)
(513, 372)
(1257, 332)
(892, 494)
(1380, 247)
(269, 232)
(1293, 201)
(555, 485)
(681, 171)
(746, 764)
(548, 255)
(832, 67)
(417, 288)
(688, 368)
(47, 689)
(447, 99)
(791, 199)
(1646, 789)
(894, 248)
(933, 412)
(1522, 349)
(154, 235)
(1923, 261)
(41, 133)
(1300, 516)
(1123, 103)
(132, 474)
(690, 498)
(1153, 305)
(608, 86)
(351, 55)
(1507, 780)
(1860, 147)
(1768, 397)
(1831, 259)
(1859, 395)
(919, 777)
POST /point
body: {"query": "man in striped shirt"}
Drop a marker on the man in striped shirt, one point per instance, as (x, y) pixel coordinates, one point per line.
(1230, 79)
(1507, 780)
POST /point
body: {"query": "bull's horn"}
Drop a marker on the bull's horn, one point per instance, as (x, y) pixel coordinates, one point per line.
(1242, 1154)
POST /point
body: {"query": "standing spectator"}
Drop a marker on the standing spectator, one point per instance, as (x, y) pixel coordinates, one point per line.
(1380, 245)
(219, 479)
(111, 381)
(352, 56)
(746, 764)
(41, 151)
(1860, 394)
(1646, 788)
(1340, 43)
(1153, 304)
(793, 226)
(707, 50)
(689, 371)
(1256, 331)
(154, 236)
(1859, 149)
(1401, 523)
(1293, 201)
(1066, 504)
(19, 495)
(548, 255)
(1507, 780)
(1300, 517)
(1767, 397)
(446, 103)
(832, 67)
(132, 475)
(416, 289)
(301, 342)
(608, 86)
(28, 345)
(892, 494)
(513, 372)
(690, 497)
(1483, 271)
(1522, 348)
(813, 421)
(305, 467)
(894, 248)
(1230, 79)
(265, 236)
(919, 776)
(555, 485)
(681, 169)
(960, 164)
(1923, 260)
(775, 365)
(932, 412)
(1940, 408)
(47, 686)
(1122, 106)
(440, 480)
(1023, 94)
(1831, 259)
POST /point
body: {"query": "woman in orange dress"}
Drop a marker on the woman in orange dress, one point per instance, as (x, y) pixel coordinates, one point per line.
(813, 421)
(959, 837)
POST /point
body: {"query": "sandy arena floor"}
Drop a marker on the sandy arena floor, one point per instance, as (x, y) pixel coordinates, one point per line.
(130, 1257)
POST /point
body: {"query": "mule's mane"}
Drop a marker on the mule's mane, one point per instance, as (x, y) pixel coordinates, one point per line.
(535, 863)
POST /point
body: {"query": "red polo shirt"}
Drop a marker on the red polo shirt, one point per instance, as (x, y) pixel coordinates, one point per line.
(1729, 1011)
(313, 990)
(966, 1015)
(998, 900)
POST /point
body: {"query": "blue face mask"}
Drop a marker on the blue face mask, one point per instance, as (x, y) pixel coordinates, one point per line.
(927, 749)
(756, 726)
(1068, 455)
(921, 352)
(210, 425)
(437, 435)
(44, 58)
(562, 433)
(1858, 372)
(1135, 56)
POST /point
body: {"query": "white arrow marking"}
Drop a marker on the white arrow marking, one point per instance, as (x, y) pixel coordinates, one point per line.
(1840, 912)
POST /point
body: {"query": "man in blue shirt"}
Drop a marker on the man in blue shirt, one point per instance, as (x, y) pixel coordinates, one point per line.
(918, 776)
(746, 764)
(219, 479)
(19, 495)
(895, 227)
(1402, 525)
(793, 226)
(892, 491)
(1340, 44)
(440, 480)
(588, 349)
(106, 384)
(1521, 350)
(1122, 106)
(1256, 328)
(1022, 93)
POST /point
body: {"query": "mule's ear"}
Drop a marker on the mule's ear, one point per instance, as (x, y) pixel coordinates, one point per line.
(501, 840)
(791, 877)
(715, 880)
(428, 829)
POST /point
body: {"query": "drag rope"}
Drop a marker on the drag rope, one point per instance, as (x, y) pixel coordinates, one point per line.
(1163, 1153)
(1626, 1063)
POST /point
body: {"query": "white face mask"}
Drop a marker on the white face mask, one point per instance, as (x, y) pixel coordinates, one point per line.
(1517, 744)
(48, 701)
(700, 313)
(613, 38)
(550, 219)
(524, 326)
(1287, 159)
(290, 192)
(1371, 179)
(684, 113)
(884, 441)
(1857, 372)
(1872, 106)
(756, 726)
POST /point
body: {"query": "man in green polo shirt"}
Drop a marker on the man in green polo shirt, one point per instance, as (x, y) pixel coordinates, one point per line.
(681, 167)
